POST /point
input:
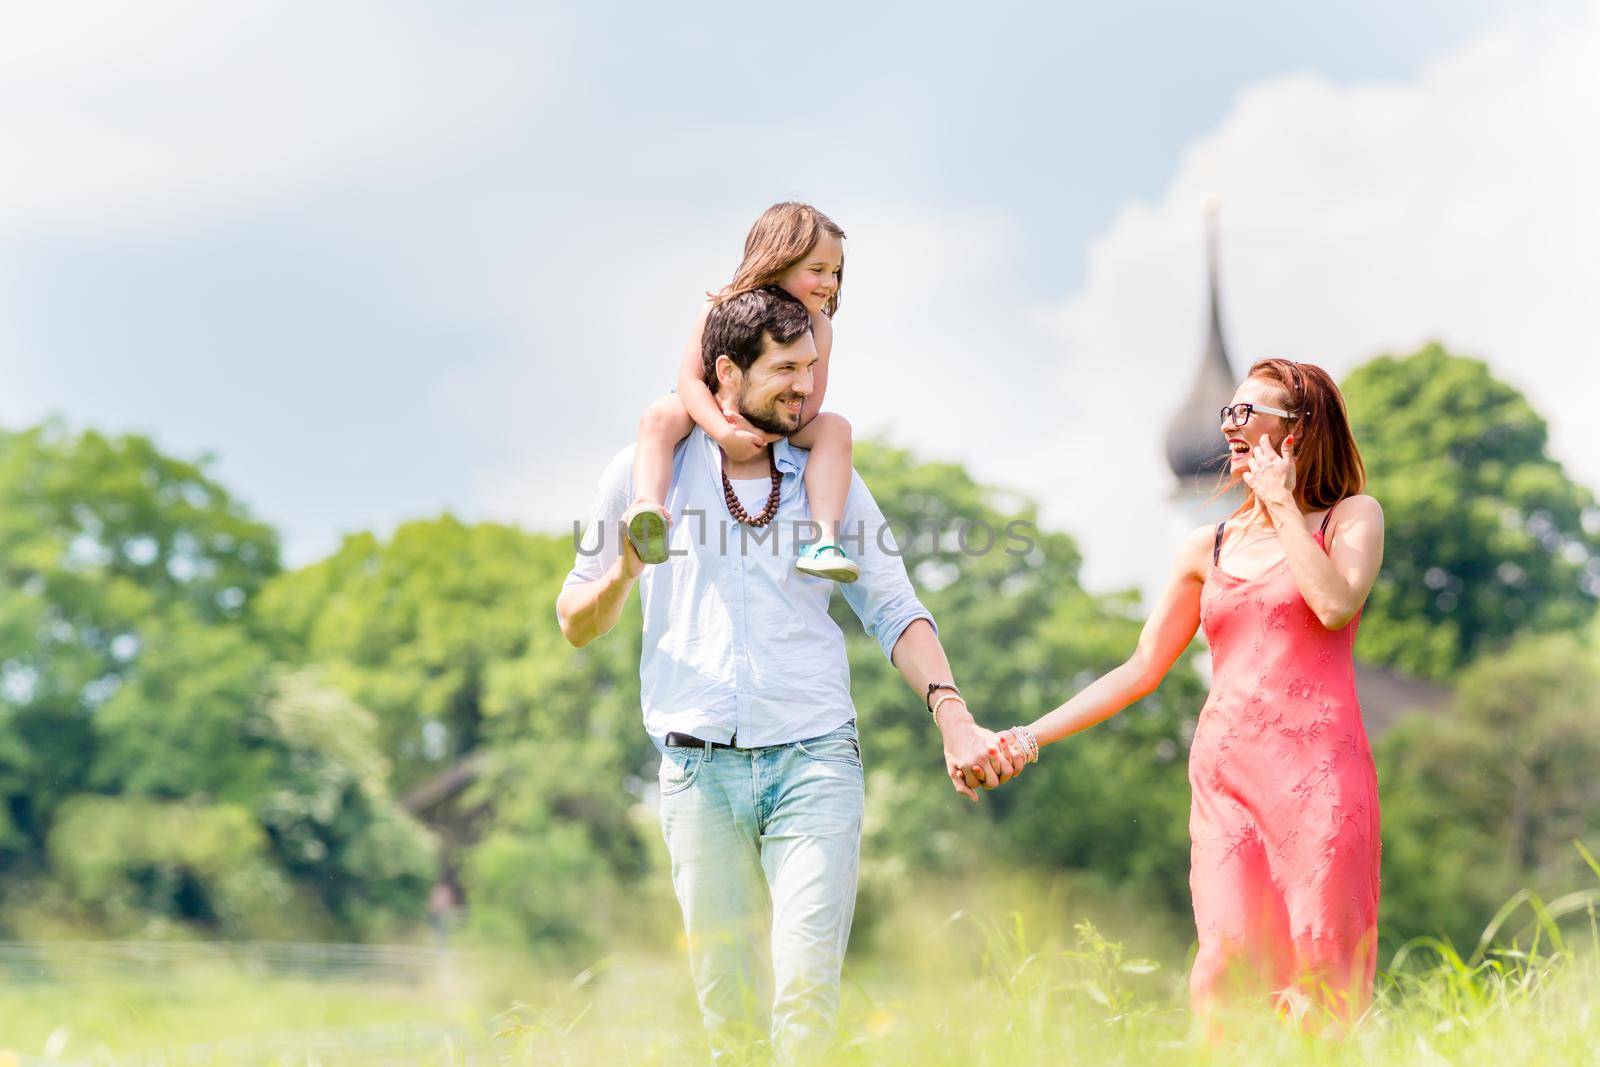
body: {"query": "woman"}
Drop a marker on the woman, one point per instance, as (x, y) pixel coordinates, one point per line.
(1283, 823)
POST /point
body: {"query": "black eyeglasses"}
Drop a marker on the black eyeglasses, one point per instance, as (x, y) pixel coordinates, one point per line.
(1239, 414)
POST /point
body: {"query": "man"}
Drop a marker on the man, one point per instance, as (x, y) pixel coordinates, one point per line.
(745, 688)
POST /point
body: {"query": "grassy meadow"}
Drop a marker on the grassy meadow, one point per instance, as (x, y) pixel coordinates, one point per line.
(999, 971)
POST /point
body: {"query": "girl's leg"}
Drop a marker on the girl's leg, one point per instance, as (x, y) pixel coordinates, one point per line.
(663, 424)
(828, 473)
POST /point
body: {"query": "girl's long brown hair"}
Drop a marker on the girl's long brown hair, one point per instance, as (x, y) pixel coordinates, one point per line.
(783, 236)
(1327, 462)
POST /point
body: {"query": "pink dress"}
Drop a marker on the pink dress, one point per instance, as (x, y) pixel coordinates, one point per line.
(1283, 824)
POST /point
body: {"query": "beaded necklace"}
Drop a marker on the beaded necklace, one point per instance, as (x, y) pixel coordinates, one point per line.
(737, 510)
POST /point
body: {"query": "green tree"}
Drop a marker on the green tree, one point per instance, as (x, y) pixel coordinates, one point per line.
(157, 766)
(147, 868)
(412, 627)
(1486, 800)
(563, 857)
(209, 722)
(104, 542)
(1486, 535)
(329, 814)
(447, 631)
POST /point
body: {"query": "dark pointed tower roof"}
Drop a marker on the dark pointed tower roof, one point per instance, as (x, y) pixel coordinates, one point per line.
(1194, 445)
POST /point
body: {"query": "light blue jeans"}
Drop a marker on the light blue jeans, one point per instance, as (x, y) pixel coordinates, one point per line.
(765, 846)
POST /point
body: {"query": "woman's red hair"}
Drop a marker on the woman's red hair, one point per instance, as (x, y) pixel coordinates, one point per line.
(1327, 462)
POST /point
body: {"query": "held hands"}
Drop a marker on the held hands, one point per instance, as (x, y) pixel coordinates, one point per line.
(1272, 474)
(976, 757)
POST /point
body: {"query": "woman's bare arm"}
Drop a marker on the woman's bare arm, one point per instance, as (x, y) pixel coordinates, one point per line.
(1166, 634)
(1335, 583)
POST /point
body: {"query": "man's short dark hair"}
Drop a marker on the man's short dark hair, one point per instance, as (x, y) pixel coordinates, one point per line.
(740, 326)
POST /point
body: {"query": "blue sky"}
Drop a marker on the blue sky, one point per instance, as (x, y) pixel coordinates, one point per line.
(384, 260)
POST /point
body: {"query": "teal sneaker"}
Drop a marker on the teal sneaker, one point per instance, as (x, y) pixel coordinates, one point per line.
(830, 562)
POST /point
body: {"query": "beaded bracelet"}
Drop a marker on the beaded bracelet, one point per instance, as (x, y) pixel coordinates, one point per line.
(1028, 742)
(941, 700)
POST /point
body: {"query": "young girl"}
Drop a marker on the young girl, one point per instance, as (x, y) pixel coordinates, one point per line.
(797, 247)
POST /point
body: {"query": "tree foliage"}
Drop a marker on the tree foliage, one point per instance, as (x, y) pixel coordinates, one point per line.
(104, 542)
(151, 767)
(414, 627)
(1487, 537)
(1487, 799)
(447, 631)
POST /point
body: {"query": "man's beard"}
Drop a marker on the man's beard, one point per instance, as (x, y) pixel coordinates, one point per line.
(769, 419)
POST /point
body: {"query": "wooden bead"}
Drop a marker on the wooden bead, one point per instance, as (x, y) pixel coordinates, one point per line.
(767, 513)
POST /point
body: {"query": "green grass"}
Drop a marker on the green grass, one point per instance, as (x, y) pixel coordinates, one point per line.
(988, 987)
(954, 975)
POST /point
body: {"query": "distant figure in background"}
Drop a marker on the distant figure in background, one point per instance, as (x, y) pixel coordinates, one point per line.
(801, 251)
(746, 690)
(1283, 823)
(444, 902)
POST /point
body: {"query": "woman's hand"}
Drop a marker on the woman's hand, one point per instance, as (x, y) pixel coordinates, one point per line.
(1013, 750)
(1271, 474)
(978, 758)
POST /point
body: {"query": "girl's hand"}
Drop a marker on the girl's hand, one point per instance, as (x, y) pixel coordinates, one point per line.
(1272, 475)
(743, 441)
(740, 445)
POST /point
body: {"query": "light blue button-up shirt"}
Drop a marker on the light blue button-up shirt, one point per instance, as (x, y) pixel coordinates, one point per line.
(738, 645)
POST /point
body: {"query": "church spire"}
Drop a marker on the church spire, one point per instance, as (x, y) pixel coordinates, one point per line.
(1194, 446)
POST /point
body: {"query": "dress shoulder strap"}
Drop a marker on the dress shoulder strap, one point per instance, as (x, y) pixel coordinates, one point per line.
(1323, 533)
(1216, 548)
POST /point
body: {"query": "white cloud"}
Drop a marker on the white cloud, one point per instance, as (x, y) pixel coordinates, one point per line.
(120, 114)
(1356, 219)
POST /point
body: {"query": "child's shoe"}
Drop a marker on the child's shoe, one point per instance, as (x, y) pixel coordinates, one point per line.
(830, 562)
(647, 529)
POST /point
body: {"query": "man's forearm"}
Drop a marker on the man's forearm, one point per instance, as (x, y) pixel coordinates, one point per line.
(590, 610)
(920, 659)
(972, 754)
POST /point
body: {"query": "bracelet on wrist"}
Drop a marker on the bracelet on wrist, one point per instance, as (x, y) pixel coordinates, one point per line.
(933, 705)
(1027, 742)
(948, 696)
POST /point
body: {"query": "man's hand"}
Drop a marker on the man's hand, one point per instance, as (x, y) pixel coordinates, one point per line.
(628, 560)
(974, 756)
(590, 609)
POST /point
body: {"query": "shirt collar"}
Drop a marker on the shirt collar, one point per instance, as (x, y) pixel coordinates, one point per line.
(791, 460)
